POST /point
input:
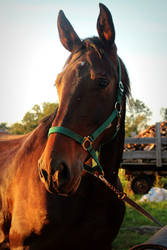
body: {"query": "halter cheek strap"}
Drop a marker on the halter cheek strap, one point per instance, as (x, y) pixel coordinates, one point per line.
(87, 141)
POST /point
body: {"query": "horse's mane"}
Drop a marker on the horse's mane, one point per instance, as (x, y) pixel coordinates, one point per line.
(49, 118)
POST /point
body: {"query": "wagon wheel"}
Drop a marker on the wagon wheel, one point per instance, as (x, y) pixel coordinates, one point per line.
(148, 246)
(141, 184)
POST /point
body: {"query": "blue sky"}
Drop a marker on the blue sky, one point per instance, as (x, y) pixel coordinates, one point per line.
(31, 54)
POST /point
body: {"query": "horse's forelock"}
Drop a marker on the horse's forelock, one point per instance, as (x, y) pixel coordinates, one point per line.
(87, 45)
(94, 44)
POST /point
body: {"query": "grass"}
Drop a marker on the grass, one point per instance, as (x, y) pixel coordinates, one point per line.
(130, 234)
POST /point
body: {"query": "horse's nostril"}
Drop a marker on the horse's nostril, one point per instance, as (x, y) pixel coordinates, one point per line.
(64, 172)
(62, 175)
(43, 174)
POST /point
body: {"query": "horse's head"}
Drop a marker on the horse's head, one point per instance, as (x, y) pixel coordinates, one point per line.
(88, 94)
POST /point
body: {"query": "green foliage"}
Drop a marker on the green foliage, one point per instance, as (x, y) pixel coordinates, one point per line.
(30, 121)
(3, 126)
(163, 113)
(17, 128)
(137, 117)
(32, 118)
(48, 108)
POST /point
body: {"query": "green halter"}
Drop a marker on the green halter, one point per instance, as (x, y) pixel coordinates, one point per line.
(87, 141)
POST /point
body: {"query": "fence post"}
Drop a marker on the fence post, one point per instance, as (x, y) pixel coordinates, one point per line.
(158, 145)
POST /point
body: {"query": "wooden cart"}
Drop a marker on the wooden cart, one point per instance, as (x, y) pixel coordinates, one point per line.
(143, 165)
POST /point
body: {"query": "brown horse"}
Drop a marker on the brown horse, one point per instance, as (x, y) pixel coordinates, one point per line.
(48, 201)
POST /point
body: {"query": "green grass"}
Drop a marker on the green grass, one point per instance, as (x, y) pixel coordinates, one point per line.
(128, 235)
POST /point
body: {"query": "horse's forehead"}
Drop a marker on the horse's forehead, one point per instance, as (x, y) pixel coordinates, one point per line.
(90, 62)
(94, 63)
(99, 65)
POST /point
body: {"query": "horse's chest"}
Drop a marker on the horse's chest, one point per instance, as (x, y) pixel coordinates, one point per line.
(88, 212)
(80, 222)
(81, 219)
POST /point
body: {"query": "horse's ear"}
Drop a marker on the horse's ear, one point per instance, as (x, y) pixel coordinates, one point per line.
(68, 36)
(105, 26)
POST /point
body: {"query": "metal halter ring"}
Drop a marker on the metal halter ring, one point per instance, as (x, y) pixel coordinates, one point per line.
(118, 107)
(86, 143)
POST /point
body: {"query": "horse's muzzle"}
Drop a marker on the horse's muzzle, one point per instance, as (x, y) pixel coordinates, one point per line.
(58, 179)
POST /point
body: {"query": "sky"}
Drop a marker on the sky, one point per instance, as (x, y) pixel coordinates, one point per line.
(31, 54)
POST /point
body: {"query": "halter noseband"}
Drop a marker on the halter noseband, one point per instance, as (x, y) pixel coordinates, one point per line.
(87, 141)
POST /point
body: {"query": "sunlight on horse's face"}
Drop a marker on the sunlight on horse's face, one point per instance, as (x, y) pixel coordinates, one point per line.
(87, 89)
(86, 92)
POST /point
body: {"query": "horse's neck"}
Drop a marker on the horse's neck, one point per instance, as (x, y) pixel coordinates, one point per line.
(34, 143)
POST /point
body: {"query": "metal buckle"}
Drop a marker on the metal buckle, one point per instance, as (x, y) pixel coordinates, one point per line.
(121, 86)
(86, 143)
(121, 195)
(118, 106)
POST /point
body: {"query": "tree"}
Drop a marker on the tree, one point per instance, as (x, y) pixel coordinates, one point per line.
(30, 121)
(3, 126)
(33, 117)
(17, 128)
(163, 112)
(137, 117)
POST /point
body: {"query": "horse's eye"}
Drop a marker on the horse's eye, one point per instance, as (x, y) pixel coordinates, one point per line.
(102, 82)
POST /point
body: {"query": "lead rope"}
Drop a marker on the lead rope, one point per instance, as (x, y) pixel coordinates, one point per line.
(123, 196)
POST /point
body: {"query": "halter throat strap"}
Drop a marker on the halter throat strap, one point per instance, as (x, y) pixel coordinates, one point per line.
(87, 141)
